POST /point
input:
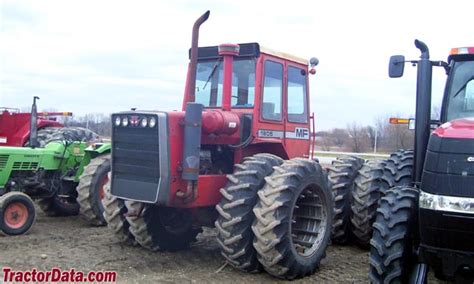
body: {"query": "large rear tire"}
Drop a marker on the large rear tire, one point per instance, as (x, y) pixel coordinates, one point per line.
(341, 175)
(366, 193)
(239, 196)
(114, 214)
(90, 190)
(293, 219)
(17, 213)
(49, 134)
(161, 228)
(391, 247)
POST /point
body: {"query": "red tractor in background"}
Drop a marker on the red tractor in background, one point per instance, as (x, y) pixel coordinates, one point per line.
(15, 126)
(236, 156)
(430, 222)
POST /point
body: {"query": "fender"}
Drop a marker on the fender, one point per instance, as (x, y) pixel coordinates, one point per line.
(92, 151)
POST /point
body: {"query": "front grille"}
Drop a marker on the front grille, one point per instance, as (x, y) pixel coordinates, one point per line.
(136, 154)
(3, 161)
(25, 166)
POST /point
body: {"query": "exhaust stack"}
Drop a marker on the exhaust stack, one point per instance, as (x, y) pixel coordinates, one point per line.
(33, 124)
(190, 89)
(423, 108)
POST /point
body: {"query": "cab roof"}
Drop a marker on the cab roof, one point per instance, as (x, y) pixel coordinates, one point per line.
(248, 50)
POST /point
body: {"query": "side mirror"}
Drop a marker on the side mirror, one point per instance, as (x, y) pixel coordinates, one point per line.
(396, 66)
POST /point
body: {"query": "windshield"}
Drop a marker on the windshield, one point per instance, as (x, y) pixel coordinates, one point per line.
(209, 80)
(460, 101)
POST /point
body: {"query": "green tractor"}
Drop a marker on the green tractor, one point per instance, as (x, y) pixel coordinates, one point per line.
(66, 177)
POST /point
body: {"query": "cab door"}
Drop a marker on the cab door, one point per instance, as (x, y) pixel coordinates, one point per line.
(296, 103)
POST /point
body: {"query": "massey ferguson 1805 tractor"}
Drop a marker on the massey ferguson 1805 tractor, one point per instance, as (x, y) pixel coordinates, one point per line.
(430, 223)
(236, 156)
(66, 168)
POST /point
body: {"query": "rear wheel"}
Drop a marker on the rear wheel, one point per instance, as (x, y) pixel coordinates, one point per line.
(366, 193)
(398, 170)
(391, 247)
(239, 196)
(49, 134)
(341, 175)
(17, 213)
(161, 228)
(90, 190)
(114, 214)
(293, 219)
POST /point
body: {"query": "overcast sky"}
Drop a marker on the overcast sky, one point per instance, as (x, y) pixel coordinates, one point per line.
(107, 56)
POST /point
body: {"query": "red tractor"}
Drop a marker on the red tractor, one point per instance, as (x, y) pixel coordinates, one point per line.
(236, 156)
(430, 222)
(15, 126)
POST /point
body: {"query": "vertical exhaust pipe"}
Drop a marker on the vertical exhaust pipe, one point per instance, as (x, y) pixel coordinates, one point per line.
(33, 124)
(190, 90)
(423, 108)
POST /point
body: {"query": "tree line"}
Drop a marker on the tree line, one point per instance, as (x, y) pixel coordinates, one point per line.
(382, 137)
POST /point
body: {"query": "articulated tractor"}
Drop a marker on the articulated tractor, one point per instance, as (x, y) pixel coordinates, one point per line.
(236, 157)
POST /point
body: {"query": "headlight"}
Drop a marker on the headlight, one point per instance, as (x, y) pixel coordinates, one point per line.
(152, 122)
(446, 203)
(144, 122)
(125, 121)
(117, 121)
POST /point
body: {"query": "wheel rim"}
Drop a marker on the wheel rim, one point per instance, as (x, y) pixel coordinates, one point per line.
(309, 221)
(105, 180)
(15, 215)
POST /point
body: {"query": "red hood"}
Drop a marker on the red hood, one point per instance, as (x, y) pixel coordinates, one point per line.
(458, 128)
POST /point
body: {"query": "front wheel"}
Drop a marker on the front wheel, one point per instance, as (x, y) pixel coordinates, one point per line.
(391, 247)
(293, 219)
(17, 213)
(160, 228)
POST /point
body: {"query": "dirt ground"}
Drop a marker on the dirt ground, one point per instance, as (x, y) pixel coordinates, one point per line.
(68, 242)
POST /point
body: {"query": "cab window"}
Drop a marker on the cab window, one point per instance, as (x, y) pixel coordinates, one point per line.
(296, 98)
(272, 91)
(209, 83)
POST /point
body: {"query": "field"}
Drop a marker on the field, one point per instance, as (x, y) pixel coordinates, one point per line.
(68, 242)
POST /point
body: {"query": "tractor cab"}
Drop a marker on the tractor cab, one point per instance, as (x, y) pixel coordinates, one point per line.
(267, 89)
(459, 92)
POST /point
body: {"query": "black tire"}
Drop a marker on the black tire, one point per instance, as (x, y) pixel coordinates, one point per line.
(59, 206)
(161, 228)
(239, 196)
(17, 213)
(391, 247)
(90, 190)
(398, 170)
(293, 219)
(114, 214)
(341, 177)
(49, 134)
(366, 194)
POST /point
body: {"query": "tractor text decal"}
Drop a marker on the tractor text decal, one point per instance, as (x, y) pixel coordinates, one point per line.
(298, 133)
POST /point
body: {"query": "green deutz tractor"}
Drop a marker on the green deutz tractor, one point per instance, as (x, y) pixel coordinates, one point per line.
(65, 177)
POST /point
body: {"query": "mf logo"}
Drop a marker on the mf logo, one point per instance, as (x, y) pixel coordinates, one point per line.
(470, 159)
(301, 132)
